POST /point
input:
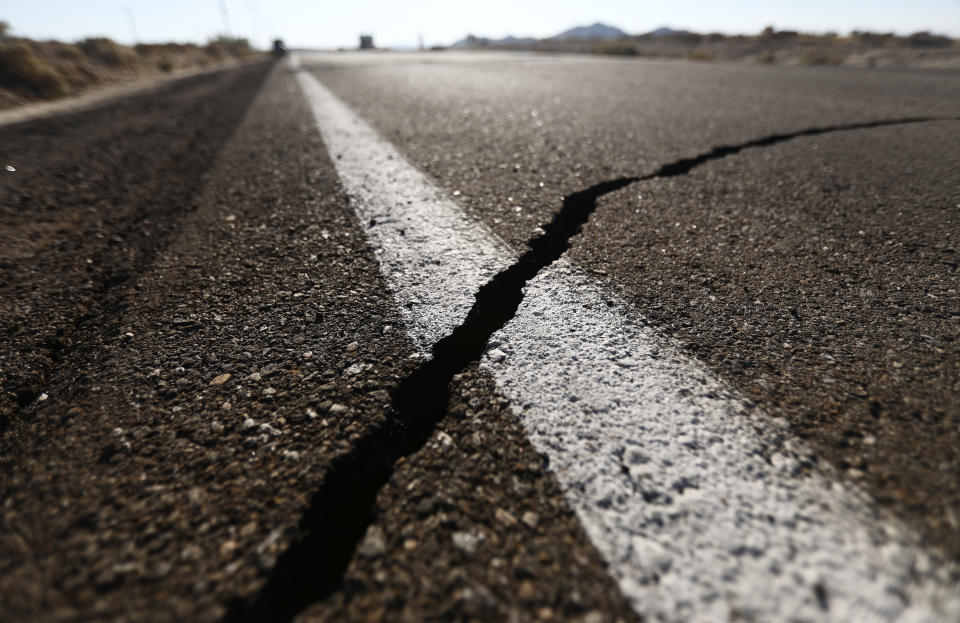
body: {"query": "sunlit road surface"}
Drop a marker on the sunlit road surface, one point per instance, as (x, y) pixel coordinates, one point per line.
(487, 336)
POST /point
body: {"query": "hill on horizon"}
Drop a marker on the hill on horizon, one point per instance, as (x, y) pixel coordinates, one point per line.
(472, 41)
(663, 31)
(594, 31)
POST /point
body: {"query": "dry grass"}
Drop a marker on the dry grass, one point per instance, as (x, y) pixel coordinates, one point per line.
(766, 58)
(107, 52)
(822, 57)
(31, 70)
(21, 67)
(772, 47)
(618, 46)
(700, 55)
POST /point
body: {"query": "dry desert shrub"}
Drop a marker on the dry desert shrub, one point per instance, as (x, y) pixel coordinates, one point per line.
(21, 67)
(32, 70)
(822, 57)
(700, 55)
(108, 52)
(64, 51)
(616, 46)
(926, 39)
(226, 47)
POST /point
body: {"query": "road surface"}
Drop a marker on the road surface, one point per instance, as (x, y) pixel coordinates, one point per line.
(485, 337)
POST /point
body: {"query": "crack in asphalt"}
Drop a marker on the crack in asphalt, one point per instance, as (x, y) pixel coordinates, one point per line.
(341, 510)
(684, 166)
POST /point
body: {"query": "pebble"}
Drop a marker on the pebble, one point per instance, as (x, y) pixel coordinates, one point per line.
(594, 616)
(527, 591)
(338, 409)
(373, 544)
(531, 519)
(269, 391)
(496, 355)
(233, 567)
(254, 377)
(266, 429)
(352, 346)
(505, 518)
(228, 547)
(195, 495)
(226, 406)
(220, 380)
(191, 552)
(467, 542)
(445, 441)
(269, 369)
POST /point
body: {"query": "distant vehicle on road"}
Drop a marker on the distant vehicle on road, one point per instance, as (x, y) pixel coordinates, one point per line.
(279, 48)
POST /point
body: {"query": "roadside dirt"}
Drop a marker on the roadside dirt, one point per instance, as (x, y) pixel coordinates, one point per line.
(87, 216)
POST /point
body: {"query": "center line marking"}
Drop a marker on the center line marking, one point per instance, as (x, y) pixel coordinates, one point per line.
(703, 506)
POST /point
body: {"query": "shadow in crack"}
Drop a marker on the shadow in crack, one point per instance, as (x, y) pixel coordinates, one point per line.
(684, 166)
(341, 510)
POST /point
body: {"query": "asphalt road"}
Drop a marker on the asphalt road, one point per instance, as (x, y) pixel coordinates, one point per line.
(155, 244)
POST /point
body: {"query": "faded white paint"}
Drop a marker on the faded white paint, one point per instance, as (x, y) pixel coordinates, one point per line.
(702, 504)
(436, 258)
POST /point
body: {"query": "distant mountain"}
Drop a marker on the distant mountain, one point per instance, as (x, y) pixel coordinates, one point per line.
(596, 31)
(663, 31)
(667, 33)
(512, 39)
(475, 42)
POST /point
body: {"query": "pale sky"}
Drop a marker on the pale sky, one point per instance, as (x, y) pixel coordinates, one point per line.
(331, 24)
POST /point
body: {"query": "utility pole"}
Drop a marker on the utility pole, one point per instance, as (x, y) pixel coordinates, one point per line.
(133, 26)
(227, 31)
(255, 30)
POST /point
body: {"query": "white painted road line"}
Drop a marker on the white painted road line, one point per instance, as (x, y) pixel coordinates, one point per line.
(694, 498)
(700, 504)
(436, 257)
